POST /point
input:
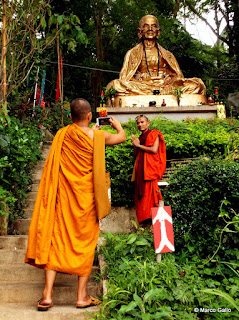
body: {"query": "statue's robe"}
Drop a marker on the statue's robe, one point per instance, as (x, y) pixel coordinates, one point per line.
(131, 82)
(151, 168)
(64, 228)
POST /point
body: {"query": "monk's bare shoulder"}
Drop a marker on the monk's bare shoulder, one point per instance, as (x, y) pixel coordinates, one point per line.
(89, 132)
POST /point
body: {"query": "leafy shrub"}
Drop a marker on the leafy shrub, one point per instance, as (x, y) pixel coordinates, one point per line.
(140, 288)
(191, 138)
(120, 161)
(54, 117)
(18, 155)
(6, 198)
(196, 192)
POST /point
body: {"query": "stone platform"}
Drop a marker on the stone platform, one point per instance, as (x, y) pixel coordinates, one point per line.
(170, 100)
(191, 106)
(172, 113)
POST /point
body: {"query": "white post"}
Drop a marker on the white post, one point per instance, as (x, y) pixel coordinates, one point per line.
(158, 255)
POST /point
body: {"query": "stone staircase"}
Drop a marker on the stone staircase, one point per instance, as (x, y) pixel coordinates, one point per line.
(21, 285)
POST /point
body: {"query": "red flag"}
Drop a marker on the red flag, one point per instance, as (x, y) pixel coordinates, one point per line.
(58, 79)
(163, 229)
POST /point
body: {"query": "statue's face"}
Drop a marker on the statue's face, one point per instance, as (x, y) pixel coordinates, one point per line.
(149, 28)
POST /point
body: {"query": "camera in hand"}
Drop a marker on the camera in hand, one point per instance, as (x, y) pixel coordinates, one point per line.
(103, 121)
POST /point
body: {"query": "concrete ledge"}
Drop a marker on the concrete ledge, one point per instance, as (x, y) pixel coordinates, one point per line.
(172, 113)
(119, 220)
(169, 99)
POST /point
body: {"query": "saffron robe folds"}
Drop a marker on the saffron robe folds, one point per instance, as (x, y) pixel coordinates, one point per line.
(154, 168)
(64, 229)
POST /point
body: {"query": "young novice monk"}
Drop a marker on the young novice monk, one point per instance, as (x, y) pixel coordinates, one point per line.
(149, 168)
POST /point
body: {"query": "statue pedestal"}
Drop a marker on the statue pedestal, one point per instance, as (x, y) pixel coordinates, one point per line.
(170, 100)
(190, 107)
(172, 113)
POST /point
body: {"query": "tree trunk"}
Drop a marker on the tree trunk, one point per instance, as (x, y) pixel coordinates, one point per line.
(97, 76)
(236, 31)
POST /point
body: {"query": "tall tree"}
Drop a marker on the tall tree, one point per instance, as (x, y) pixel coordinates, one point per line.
(226, 12)
(111, 27)
(30, 30)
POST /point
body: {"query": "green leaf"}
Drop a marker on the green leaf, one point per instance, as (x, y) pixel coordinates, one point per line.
(142, 242)
(154, 293)
(131, 306)
(139, 301)
(131, 238)
(43, 23)
(224, 295)
(146, 316)
(60, 19)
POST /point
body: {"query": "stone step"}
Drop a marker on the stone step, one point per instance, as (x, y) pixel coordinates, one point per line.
(26, 312)
(45, 151)
(32, 196)
(30, 203)
(11, 257)
(24, 272)
(22, 226)
(36, 181)
(40, 165)
(35, 186)
(30, 293)
(28, 213)
(13, 242)
(36, 176)
(48, 142)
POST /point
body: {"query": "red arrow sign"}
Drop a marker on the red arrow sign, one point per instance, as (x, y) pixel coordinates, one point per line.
(163, 229)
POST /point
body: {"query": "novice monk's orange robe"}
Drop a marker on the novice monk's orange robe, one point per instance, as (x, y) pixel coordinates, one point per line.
(64, 229)
(154, 166)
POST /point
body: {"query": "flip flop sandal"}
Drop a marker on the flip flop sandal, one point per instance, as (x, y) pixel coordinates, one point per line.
(92, 303)
(43, 307)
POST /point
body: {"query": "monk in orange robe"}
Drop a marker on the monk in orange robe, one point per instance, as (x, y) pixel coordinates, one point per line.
(149, 168)
(64, 228)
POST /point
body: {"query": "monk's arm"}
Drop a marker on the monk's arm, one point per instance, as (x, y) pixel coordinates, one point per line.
(115, 138)
(153, 149)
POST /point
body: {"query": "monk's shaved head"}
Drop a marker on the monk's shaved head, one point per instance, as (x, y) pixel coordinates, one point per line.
(142, 116)
(79, 109)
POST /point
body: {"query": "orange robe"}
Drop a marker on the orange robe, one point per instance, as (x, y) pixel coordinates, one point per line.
(64, 229)
(153, 170)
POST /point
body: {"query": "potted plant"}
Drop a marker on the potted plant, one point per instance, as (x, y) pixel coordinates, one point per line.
(110, 93)
(177, 92)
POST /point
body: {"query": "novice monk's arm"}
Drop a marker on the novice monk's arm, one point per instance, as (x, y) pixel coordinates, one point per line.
(115, 138)
(153, 149)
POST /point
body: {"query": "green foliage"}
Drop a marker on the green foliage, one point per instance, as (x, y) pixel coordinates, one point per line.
(111, 29)
(29, 45)
(232, 148)
(110, 92)
(18, 155)
(120, 161)
(140, 288)
(6, 201)
(184, 139)
(195, 193)
(54, 117)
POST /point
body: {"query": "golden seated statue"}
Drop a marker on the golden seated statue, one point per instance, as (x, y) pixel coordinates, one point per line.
(148, 67)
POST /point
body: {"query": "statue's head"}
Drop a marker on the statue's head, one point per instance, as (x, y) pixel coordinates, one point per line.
(148, 28)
